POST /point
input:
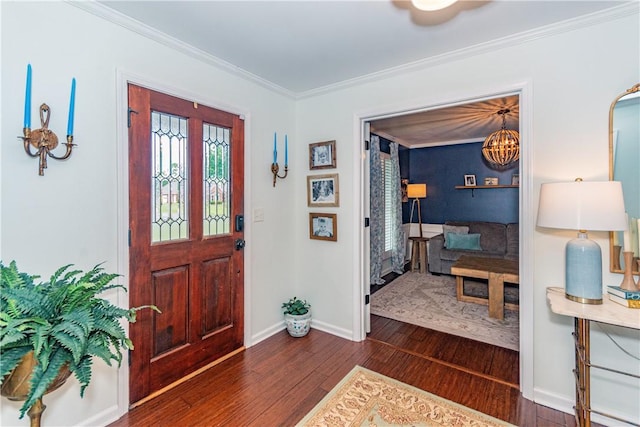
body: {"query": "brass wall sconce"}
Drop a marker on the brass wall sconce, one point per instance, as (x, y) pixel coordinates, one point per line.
(275, 168)
(43, 140)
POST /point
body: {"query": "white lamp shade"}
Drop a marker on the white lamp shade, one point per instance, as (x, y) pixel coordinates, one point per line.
(582, 205)
(416, 191)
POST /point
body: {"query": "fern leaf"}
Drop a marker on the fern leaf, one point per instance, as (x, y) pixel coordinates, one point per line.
(82, 372)
(100, 347)
(71, 337)
(10, 359)
(41, 378)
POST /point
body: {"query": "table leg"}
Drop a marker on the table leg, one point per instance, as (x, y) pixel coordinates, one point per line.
(414, 256)
(459, 287)
(423, 256)
(496, 295)
(582, 372)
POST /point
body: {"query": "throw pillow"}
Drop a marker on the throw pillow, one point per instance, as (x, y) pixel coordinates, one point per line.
(457, 229)
(469, 242)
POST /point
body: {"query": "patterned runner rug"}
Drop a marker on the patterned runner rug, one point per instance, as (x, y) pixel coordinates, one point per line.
(430, 301)
(366, 398)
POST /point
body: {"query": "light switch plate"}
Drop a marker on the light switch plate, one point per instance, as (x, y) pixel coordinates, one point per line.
(258, 215)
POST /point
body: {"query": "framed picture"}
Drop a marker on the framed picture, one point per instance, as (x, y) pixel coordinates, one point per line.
(470, 180)
(323, 226)
(322, 190)
(322, 155)
(404, 183)
(490, 181)
(515, 179)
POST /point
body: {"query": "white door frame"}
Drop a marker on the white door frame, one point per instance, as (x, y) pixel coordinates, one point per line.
(526, 213)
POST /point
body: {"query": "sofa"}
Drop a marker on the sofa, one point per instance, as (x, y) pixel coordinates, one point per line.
(476, 238)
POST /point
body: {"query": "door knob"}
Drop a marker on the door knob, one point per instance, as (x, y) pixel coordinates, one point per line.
(240, 243)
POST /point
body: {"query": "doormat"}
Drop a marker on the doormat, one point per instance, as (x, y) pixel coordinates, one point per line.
(366, 398)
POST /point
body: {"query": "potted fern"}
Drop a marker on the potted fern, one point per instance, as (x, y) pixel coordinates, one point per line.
(51, 330)
(297, 317)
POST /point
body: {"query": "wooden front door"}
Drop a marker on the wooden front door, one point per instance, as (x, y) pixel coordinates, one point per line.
(185, 205)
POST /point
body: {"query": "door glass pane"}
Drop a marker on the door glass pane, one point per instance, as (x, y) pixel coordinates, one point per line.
(169, 197)
(215, 189)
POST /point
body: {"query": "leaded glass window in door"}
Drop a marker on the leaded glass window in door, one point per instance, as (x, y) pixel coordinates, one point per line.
(169, 183)
(216, 179)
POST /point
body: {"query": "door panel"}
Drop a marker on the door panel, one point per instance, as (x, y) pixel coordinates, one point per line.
(185, 184)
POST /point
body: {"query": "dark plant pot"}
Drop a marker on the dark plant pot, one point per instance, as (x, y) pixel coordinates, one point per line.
(298, 325)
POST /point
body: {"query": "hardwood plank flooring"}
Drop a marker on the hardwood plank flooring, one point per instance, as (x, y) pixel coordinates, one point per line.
(278, 381)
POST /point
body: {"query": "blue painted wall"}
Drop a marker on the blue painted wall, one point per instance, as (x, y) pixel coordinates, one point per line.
(442, 168)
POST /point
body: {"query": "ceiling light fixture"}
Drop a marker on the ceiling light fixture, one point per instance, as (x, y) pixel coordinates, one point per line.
(431, 5)
(503, 146)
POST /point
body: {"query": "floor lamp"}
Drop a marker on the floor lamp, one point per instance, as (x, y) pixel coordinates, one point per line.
(416, 192)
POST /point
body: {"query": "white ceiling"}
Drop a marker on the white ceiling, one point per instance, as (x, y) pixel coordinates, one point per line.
(298, 47)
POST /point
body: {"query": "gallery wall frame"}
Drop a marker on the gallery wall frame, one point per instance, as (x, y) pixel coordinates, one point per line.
(323, 190)
(323, 226)
(322, 155)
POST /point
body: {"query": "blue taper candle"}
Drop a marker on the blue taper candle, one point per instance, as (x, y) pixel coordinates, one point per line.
(27, 100)
(286, 151)
(275, 149)
(72, 105)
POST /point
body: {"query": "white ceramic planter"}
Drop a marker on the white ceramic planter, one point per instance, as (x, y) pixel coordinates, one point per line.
(298, 325)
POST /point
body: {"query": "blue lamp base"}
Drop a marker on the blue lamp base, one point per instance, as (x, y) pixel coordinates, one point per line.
(583, 274)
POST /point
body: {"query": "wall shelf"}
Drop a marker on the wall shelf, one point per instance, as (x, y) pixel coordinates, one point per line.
(482, 187)
(473, 187)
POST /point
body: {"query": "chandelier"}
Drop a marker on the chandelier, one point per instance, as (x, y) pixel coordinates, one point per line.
(503, 146)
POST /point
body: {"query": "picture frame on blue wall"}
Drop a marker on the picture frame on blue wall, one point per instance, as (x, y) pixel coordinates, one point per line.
(515, 179)
(404, 183)
(470, 180)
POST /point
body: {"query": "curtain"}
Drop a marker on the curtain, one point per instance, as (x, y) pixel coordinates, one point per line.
(398, 251)
(376, 216)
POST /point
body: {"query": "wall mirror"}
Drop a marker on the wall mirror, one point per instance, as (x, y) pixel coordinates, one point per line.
(624, 166)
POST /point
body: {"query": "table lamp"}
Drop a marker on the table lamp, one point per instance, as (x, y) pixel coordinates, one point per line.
(416, 192)
(582, 206)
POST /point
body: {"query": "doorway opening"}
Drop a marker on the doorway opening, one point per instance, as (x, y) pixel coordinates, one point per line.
(408, 117)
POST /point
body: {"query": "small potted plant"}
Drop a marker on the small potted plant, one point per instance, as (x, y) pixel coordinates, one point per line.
(297, 316)
(51, 330)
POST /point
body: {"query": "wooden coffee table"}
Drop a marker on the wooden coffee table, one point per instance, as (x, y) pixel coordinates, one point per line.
(497, 271)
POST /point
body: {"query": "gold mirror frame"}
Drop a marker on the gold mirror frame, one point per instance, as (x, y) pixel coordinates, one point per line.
(614, 251)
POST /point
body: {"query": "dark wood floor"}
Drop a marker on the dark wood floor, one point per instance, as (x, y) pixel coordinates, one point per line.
(276, 382)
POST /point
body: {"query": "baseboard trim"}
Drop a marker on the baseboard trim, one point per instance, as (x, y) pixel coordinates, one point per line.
(565, 404)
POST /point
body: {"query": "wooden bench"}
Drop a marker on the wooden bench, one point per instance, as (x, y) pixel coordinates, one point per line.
(497, 271)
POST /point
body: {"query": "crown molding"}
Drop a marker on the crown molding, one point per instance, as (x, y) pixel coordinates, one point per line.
(138, 27)
(617, 12)
(614, 13)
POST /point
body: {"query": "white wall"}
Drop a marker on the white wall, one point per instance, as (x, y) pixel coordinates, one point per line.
(70, 214)
(573, 76)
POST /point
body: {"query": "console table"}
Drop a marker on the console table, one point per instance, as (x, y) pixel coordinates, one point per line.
(608, 312)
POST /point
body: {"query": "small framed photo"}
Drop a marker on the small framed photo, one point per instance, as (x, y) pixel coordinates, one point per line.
(470, 180)
(515, 179)
(490, 181)
(322, 190)
(404, 184)
(322, 155)
(323, 226)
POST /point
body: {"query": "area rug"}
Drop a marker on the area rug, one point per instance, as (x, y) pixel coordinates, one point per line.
(430, 301)
(366, 398)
